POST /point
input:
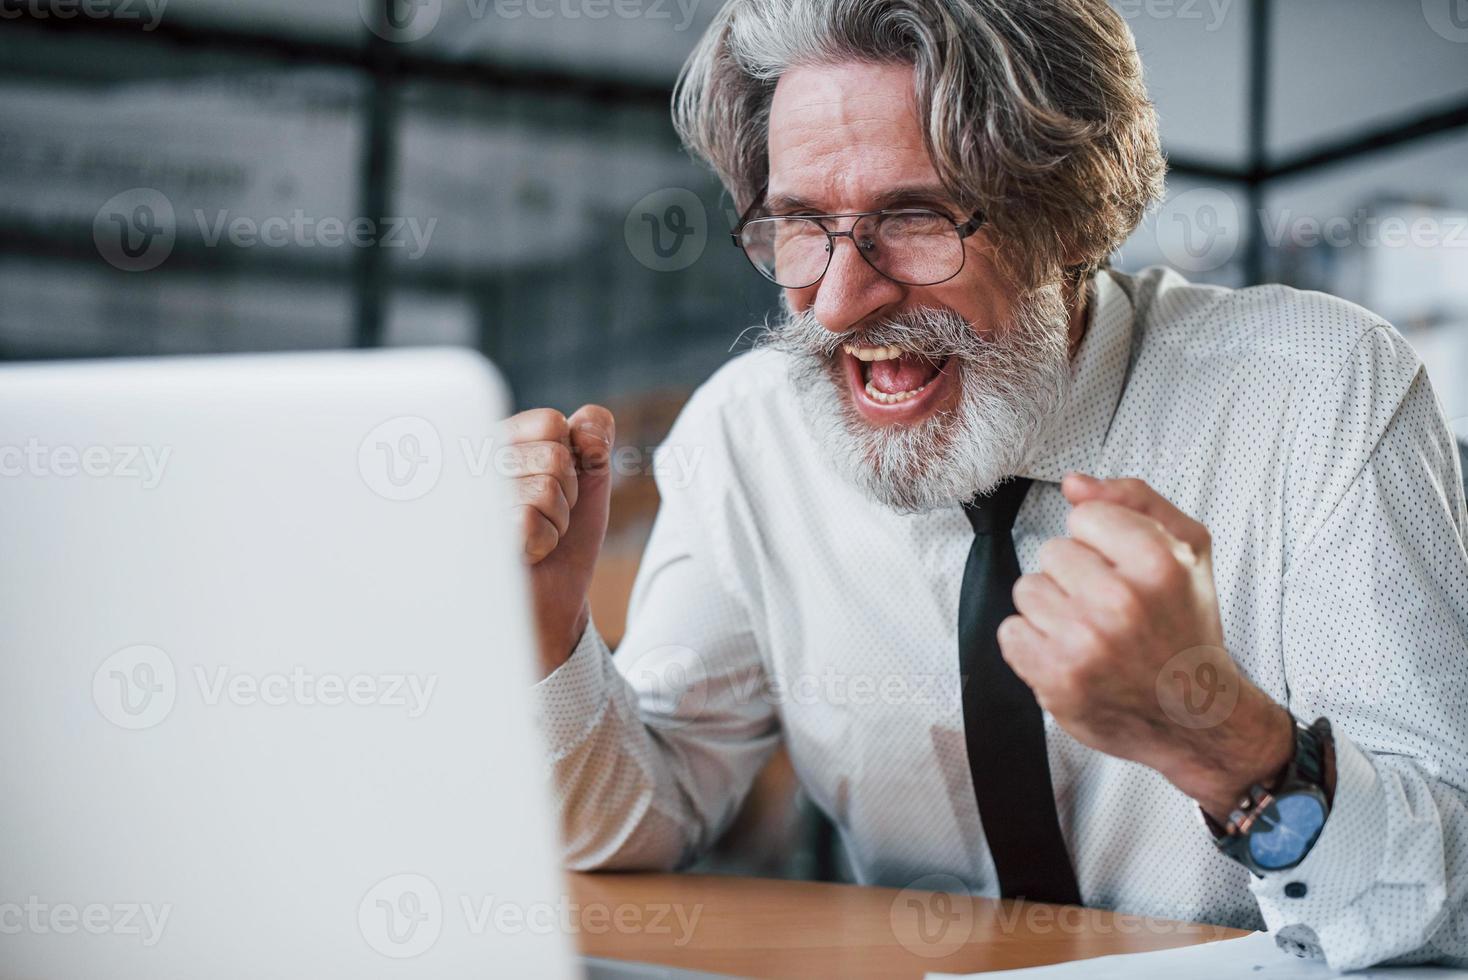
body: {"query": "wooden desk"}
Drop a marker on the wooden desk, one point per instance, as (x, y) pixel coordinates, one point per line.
(753, 927)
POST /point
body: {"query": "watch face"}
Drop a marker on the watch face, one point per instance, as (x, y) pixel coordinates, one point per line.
(1282, 834)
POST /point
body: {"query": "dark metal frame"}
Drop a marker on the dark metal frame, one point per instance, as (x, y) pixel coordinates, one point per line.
(1260, 171)
(388, 66)
(964, 229)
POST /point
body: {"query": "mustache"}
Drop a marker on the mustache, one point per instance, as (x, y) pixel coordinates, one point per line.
(931, 332)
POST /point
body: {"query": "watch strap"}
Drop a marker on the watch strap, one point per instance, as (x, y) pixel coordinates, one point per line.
(1304, 771)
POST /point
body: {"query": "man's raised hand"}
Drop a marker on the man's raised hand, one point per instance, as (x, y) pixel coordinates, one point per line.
(560, 470)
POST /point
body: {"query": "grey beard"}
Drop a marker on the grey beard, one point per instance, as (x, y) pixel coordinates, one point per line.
(1010, 388)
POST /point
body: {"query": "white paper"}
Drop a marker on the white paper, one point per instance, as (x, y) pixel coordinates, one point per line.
(1254, 956)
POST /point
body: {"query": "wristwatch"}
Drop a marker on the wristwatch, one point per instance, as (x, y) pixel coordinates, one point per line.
(1275, 824)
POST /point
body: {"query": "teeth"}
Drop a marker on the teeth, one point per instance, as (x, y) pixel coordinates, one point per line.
(893, 399)
(872, 353)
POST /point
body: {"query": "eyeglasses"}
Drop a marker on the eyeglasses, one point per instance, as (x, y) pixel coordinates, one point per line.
(912, 246)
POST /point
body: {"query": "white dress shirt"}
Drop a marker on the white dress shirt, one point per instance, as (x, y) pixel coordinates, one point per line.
(775, 602)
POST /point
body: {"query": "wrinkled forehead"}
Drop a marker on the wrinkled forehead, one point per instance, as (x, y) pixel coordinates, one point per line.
(843, 135)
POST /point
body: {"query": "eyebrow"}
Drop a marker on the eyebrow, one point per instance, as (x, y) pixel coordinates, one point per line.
(935, 193)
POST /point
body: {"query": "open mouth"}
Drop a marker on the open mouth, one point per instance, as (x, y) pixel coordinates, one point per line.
(890, 384)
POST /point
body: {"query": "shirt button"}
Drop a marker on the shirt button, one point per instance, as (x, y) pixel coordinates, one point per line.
(1295, 889)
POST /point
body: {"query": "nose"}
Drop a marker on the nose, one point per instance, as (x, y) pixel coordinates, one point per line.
(851, 290)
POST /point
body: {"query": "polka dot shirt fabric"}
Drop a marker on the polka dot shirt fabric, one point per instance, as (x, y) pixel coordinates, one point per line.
(776, 603)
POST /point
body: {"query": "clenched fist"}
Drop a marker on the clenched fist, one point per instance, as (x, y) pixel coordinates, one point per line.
(560, 471)
(1119, 623)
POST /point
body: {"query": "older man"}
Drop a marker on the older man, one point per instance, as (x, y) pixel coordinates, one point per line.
(1067, 584)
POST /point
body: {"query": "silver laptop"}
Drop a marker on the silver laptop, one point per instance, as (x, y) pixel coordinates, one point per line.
(264, 650)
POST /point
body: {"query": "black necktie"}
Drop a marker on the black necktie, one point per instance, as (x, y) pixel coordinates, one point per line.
(1003, 725)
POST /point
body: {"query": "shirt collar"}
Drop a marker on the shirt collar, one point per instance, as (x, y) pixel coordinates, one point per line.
(1073, 438)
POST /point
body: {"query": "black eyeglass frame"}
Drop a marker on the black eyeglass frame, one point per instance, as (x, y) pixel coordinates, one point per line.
(965, 230)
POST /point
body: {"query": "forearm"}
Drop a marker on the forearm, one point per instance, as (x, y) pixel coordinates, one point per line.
(1217, 766)
(612, 782)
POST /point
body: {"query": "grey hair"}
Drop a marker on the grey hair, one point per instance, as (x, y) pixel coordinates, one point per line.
(1034, 110)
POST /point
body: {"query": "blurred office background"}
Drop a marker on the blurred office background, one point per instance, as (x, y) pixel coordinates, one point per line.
(183, 176)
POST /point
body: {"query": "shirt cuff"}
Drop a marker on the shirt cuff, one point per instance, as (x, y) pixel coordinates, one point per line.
(1321, 891)
(571, 699)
